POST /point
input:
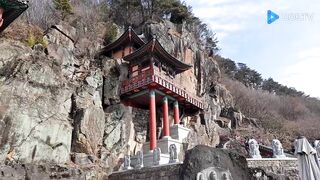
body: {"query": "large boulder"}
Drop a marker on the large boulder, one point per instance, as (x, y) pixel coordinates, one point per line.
(202, 157)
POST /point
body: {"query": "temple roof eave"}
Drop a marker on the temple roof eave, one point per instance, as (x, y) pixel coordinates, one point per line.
(153, 47)
(129, 34)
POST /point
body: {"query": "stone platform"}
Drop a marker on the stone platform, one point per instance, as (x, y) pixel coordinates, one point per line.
(164, 145)
(165, 172)
(278, 167)
(162, 157)
(179, 132)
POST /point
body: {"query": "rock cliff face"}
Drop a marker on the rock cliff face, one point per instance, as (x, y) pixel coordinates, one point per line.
(35, 101)
(61, 105)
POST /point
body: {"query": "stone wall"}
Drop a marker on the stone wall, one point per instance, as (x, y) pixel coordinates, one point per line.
(167, 172)
(275, 168)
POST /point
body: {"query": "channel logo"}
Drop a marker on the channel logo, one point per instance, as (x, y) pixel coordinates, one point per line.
(271, 16)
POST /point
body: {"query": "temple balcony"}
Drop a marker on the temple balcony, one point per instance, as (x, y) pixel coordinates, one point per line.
(164, 85)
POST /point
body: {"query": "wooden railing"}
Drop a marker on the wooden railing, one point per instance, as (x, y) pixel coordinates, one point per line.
(174, 85)
(154, 75)
(142, 79)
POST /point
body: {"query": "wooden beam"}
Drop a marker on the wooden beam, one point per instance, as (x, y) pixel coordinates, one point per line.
(139, 94)
(163, 94)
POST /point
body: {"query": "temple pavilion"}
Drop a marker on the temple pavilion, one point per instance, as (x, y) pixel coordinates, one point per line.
(9, 11)
(151, 84)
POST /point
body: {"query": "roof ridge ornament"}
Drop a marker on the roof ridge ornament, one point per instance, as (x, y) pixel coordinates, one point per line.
(130, 36)
(154, 39)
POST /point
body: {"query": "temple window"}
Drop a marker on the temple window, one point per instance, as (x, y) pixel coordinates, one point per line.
(172, 73)
(135, 71)
(157, 64)
(164, 68)
(145, 65)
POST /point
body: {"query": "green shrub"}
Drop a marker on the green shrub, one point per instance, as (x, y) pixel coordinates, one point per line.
(33, 39)
(63, 6)
(110, 34)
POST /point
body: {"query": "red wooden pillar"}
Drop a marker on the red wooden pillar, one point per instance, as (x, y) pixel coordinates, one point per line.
(152, 121)
(176, 113)
(166, 132)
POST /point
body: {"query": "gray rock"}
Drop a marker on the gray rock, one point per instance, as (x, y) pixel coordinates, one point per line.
(234, 115)
(88, 116)
(113, 137)
(111, 82)
(81, 158)
(10, 50)
(117, 129)
(203, 157)
(36, 105)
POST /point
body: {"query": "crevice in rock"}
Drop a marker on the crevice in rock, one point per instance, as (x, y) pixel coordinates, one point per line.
(5, 131)
(56, 28)
(104, 105)
(76, 123)
(53, 89)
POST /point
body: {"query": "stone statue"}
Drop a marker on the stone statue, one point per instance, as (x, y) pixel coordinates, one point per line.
(277, 149)
(127, 162)
(213, 175)
(139, 159)
(200, 176)
(156, 156)
(173, 153)
(317, 146)
(226, 176)
(254, 149)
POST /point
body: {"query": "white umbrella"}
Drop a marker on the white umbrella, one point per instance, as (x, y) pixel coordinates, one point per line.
(309, 168)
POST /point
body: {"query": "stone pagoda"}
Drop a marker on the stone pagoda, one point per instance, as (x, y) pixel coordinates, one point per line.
(152, 84)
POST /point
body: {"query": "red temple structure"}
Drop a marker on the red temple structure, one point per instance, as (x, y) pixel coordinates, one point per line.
(152, 84)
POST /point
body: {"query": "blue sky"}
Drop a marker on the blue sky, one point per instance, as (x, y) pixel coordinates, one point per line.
(287, 50)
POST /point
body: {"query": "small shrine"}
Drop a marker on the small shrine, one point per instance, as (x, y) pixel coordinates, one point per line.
(9, 11)
(152, 84)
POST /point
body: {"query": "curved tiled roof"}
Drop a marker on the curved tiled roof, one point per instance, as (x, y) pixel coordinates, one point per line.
(155, 48)
(128, 36)
(13, 9)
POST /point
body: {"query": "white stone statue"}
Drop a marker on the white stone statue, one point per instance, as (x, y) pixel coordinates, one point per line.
(254, 149)
(139, 159)
(156, 156)
(317, 146)
(226, 176)
(173, 153)
(200, 176)
(277, 149)
(213, 175)
(127, 162)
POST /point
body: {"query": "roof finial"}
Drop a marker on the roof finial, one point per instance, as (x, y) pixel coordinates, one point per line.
(154, 39)
(130, 29)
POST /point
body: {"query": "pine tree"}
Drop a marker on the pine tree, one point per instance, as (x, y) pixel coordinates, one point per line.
(64, 6)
